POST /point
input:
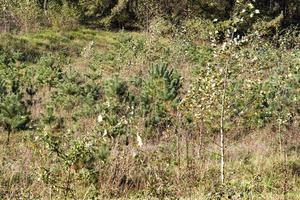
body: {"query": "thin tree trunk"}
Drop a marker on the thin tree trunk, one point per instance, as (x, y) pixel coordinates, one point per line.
(222, 143)
(5, 21)
(187, 150)
(45, 6)
(187, 145)
(8, 137)
(285, 196)
(283, 144)
(178, 146)
(200, 127)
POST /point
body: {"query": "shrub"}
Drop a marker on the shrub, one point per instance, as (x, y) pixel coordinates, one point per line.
(159, 95)
(13, 112)
(63, 17)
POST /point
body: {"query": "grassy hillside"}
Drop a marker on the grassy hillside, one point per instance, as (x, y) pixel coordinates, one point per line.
(92, 114)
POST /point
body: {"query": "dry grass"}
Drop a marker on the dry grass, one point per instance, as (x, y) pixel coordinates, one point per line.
(172, 165)
(125, 177)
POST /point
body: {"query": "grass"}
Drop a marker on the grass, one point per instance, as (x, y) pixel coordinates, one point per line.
(32, 46)
(249, 171)
(177, 163)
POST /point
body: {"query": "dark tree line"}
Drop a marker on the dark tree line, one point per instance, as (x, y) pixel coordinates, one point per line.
(224, 8)
(138, 12)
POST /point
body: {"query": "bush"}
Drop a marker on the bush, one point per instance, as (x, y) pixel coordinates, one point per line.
(63, 17)
(13, 112)
(159, 96)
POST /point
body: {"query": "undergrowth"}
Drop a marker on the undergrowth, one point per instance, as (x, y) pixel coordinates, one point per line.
(94, 114)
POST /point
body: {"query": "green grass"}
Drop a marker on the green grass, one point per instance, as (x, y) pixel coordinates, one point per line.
(31, 46)
(171, 163)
